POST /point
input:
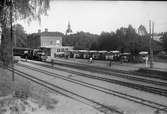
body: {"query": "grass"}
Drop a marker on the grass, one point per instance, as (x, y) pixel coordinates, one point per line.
(23, 89)
(6, 84)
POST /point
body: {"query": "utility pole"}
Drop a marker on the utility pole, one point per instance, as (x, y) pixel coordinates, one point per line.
(150, 42)
(11, 33)
(152, 64)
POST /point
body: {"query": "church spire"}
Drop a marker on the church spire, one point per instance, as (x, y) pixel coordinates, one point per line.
(69, 30)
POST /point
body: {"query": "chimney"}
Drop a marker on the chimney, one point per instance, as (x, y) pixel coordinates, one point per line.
(39, 30)
(46, 30)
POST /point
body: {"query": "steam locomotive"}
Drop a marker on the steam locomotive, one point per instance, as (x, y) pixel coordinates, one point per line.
(28, 53)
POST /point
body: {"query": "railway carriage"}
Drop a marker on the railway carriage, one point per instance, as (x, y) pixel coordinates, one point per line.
(84, 54)
(18, 51)
(112, 55)
(143, 56)
(76, 54)
(102, 55)
(70, 53)
(125, 57)
(94, 54)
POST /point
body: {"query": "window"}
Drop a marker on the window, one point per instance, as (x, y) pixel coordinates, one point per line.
(58, 50)
(57, 42)
(62, 49)
(48, 51)
(51, 42)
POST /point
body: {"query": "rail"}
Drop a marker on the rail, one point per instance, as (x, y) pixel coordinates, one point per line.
(105, 90)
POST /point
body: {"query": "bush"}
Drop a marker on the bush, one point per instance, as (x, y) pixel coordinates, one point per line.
(6, 84)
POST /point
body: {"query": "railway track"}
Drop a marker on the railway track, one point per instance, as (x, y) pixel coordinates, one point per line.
(67, 93)
(142, 101)
(155, 90)
(114, 74)
(103, 70)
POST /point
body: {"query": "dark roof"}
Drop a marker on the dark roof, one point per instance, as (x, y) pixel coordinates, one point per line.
(51, 34)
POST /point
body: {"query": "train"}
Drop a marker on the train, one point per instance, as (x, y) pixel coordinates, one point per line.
(114, 55)
(96, 55)
(28, 53)
(42, 54)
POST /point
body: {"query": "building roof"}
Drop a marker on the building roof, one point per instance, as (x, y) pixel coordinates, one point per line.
(51, 34)
(83, 50)
(103, 51)
(115, 51)
(143, 52)
(56, 46)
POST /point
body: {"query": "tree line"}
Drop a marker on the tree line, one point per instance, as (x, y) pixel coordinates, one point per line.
(124, 39)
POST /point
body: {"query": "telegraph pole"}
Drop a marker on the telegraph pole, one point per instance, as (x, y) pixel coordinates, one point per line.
(11, 33)
(151, 25)
(152, 45)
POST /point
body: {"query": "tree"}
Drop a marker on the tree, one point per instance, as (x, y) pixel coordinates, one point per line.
(20, 36)
(107, 41)
(80, 40)
(21, 9)
(164, 41)
(33, 40)
(142, 30)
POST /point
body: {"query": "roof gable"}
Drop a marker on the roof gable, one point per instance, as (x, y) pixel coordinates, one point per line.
(52, 34)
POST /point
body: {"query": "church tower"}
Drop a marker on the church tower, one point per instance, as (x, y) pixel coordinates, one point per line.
(69, 30)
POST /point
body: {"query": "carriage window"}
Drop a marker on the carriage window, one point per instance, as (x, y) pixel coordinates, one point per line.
(51, 42)
(58, 50)
(62, 50)
(48, 52)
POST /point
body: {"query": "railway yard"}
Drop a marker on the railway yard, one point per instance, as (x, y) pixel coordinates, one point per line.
(83, 57)
(109, 90)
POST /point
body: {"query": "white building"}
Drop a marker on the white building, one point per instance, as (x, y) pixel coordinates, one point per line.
(51, 38)
(56, 51)
(51, 42)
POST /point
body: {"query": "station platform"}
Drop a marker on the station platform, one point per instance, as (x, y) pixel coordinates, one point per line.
(157, 66)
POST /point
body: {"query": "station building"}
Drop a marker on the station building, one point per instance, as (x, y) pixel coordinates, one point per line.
(50, 42)
(50, 38)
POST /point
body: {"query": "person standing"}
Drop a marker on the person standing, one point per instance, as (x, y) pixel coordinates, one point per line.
(111, 59)
(26, 55)
(110, 63)
(90, 59)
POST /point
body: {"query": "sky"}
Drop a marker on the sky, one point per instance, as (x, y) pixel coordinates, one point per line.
(98, 16)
